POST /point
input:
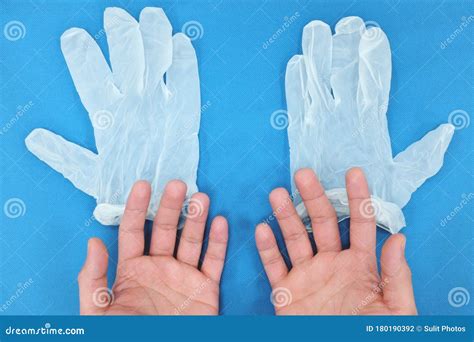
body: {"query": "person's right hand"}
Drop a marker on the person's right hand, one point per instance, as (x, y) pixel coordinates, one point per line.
(334, 281)
(160, 283)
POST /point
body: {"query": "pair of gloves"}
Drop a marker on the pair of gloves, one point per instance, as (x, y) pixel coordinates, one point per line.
(146, 113)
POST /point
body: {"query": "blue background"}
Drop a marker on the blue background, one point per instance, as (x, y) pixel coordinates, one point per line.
(239, 328)
(242, 156)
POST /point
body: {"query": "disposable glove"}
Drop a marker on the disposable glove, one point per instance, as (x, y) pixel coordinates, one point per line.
(337, 95)
(144, 127)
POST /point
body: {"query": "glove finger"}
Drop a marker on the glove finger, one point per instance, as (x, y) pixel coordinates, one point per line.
(156, 34)
(295, 89)
(89, 70)
(317, 52)
(182, 77)
(345, 58)
(125, 48)
(420, 161)
(375, 70)
(296, 101)
(181, 143)
(74, 162)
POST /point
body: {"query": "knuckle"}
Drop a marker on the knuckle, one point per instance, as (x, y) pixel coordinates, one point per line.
(192, 239)
(295, 236)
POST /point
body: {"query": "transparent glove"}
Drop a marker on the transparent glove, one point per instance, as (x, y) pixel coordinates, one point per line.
(337, 95)
(144, 127)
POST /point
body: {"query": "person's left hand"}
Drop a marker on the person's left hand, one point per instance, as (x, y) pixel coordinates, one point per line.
(159, 283)
(334, 281)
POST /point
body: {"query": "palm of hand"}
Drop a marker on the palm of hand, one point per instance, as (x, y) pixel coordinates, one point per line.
(331, 283)
(168, 281)
(334, 281)
(162, 285)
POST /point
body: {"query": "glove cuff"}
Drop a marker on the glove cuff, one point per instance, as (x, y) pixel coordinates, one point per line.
(387, 214)
(111, 214)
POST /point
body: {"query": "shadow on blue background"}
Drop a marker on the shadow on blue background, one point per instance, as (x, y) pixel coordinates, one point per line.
(242, 156)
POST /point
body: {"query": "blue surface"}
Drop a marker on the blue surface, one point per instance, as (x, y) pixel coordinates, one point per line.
(242, 157)
(242, 328)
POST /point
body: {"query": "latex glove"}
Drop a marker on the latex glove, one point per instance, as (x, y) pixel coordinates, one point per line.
(337, 95)
(144, 128)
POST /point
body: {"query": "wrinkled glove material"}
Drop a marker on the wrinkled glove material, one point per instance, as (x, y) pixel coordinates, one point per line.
(337, 95)
(145, 111)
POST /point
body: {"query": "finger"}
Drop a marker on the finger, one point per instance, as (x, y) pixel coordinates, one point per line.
(190, 242)
(321, 212)
(216, 248)
(317, 52)
(396, 277)
(362, 220)
(272, 260)
(163, 238)
(73, 161)
(156, 34)
(125, 48)
(93, 291)
(294, 232)
(131, 231)
(89, 70)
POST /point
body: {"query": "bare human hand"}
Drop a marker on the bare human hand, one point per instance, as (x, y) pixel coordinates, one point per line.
(160, 283)
(334, 281)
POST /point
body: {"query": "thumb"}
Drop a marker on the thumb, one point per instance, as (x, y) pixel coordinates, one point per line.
(74, 162)
(93, 292)
(396, 277)
(421, 160)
